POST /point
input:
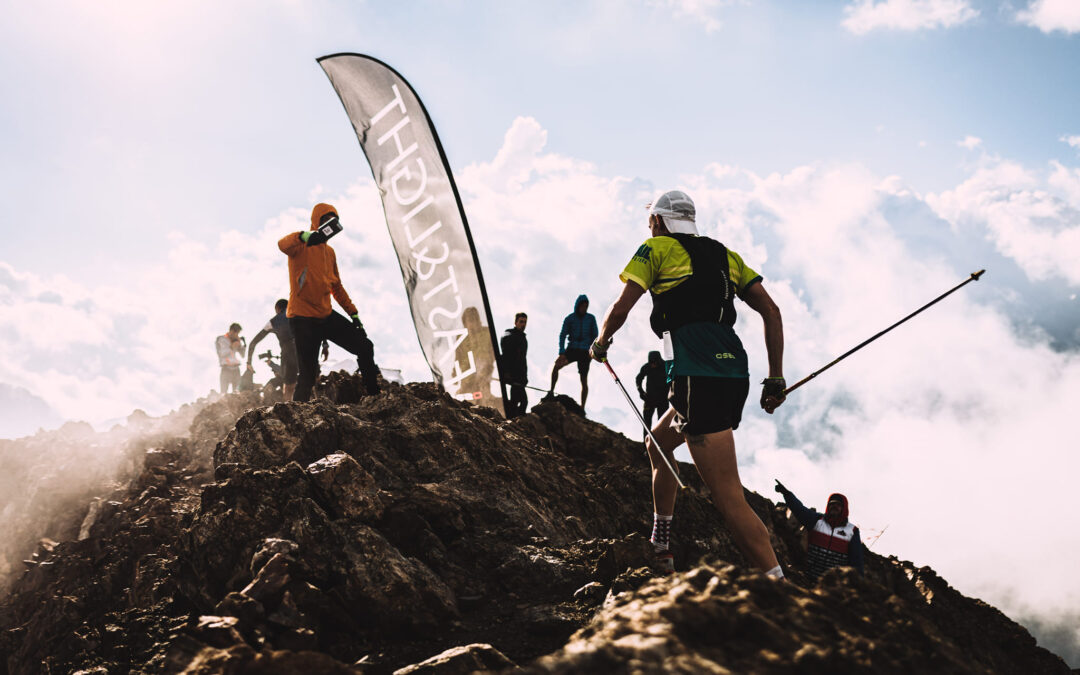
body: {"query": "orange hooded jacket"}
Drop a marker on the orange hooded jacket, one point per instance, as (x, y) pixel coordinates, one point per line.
(313, 273)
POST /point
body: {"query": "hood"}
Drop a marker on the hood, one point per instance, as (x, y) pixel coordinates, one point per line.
(836, 522)
(654, 357)
(318, 212)
(580, 299)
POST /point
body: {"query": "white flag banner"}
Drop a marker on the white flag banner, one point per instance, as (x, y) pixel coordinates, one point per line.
(427, 225)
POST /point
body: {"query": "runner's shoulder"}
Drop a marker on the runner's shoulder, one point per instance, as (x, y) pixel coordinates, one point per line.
(661, 245)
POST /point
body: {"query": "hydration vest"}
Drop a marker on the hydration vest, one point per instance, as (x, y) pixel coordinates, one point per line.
(707, 296)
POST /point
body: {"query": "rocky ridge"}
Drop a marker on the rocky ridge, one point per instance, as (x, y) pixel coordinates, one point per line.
(412, 533)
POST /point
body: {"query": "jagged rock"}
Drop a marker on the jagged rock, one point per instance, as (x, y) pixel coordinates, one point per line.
(722, 619)
(189, 656)
(270, 579)
(460, 661)
(217, 631)
(270, 547)
(347, 486)
(247, 610)
(379, 530)
(592, 592)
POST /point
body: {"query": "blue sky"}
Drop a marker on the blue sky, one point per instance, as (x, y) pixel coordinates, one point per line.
(136, 119)
(864, 155)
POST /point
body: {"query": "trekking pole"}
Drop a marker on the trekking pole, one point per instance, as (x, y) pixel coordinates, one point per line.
(641, 419)
(974, 277)
(512, 384)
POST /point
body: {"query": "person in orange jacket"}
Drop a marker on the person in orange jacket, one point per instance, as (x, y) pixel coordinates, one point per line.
(313, 278)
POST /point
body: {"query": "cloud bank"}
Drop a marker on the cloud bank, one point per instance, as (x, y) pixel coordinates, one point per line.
(1051, 15)
(863, 16)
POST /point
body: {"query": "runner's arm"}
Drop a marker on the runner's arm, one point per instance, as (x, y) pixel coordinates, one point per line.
(616, 315)
(807, 517)
(254, 341)
(338, 290)
(758, 298)
(563, 334)
(291, 244)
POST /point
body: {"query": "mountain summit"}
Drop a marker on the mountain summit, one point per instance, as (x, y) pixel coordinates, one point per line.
(412, 533)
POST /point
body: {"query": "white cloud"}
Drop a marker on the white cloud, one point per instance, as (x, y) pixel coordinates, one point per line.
(1051, 15)
(970, 142)
(863, 16)
(1073, 141)
(702, 11)
(1032, 218)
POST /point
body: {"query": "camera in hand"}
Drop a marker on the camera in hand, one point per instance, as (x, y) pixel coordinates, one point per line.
(330, 225)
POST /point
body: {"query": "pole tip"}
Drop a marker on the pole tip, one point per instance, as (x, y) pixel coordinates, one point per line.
(976, 275)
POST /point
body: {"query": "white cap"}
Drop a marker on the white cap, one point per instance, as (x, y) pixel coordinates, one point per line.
(677, 210)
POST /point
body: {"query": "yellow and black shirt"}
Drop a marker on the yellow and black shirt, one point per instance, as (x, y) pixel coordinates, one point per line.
(706, 348)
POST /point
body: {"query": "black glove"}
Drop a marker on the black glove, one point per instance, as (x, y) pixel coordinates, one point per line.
(641, 393)
(598, 351)
(313, 237)
(772, 393)
(780, 487)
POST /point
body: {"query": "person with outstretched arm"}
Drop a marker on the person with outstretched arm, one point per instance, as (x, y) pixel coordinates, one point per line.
(834, 541)
(655, 390)
(693, 281)
(313, 278)
(279, 326)
(515, 367)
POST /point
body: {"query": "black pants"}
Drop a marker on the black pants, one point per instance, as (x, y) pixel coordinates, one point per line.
(518, 401)
(309, 334)
(658, 407)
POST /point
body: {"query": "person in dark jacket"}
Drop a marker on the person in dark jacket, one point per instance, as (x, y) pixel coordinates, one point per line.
(834, 540)
(515, 368)
(655, 392)
(578, 332)
(279, 326)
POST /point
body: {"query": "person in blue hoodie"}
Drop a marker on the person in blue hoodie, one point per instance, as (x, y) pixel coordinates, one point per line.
(579, 329)
(834, 541)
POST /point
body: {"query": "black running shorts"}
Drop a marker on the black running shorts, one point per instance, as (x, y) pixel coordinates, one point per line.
(582, 358)
(706, 405)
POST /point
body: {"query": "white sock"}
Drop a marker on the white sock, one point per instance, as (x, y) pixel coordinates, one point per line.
(775, 573)
(661, 532)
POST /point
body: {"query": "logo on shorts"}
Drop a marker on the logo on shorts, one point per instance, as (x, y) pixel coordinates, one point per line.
(725, 355)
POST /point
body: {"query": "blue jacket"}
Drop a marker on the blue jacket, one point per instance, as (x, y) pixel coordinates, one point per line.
(580, 329)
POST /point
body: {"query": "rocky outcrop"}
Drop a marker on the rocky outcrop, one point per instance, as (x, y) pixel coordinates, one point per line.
(411, 532)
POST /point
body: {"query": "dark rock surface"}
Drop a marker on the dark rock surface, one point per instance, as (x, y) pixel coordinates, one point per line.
(411, 531)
